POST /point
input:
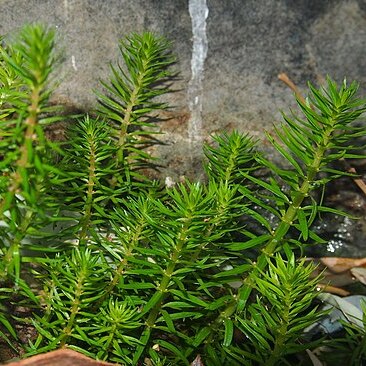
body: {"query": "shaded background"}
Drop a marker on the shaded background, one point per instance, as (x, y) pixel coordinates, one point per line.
(241, 46)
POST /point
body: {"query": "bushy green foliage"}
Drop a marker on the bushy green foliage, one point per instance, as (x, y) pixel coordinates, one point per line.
(351, 348)
(128, 271)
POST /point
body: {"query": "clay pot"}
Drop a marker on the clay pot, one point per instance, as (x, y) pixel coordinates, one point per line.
(62, 357)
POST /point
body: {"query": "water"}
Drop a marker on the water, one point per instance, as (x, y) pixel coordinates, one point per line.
(198, 11)
(346, 236)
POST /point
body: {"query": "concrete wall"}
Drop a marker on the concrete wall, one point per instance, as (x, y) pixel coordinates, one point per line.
(230, 53)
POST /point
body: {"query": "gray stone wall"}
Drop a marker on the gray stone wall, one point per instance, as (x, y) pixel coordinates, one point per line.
(230, 53)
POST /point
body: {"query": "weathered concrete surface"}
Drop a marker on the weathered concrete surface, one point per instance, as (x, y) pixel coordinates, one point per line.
(249, 43)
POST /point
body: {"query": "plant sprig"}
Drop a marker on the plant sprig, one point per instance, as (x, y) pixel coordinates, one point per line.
(131, 98)
(128, 271)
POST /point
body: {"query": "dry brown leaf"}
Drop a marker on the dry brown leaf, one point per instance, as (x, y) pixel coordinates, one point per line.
(314, 359)
(339, 265)
(284, 77)
(329, 278)
(359, 182)
(197, 361)
(62, 357)
(360, 274)
(333, 290)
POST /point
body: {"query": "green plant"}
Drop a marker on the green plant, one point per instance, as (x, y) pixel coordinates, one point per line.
(349, 348)
(126, 270)
(25, 90)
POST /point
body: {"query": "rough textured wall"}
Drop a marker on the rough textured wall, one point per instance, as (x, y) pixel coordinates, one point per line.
(230, 53)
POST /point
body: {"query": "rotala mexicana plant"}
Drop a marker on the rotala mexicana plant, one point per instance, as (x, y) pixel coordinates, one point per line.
(125, 270)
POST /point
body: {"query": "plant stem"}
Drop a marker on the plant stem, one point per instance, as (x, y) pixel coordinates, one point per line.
(74, 308)
(26, 152)
(127, 119)
(86, 221)
(12, 256)
(288, 217)
(281, 331)
(162, 289)
(133, 243)
(286, 222)
(164, 284)
(21, 177)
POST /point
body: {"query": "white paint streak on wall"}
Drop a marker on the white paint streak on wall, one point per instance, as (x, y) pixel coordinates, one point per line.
(73, 63)
(198, 11)
(66, 7)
